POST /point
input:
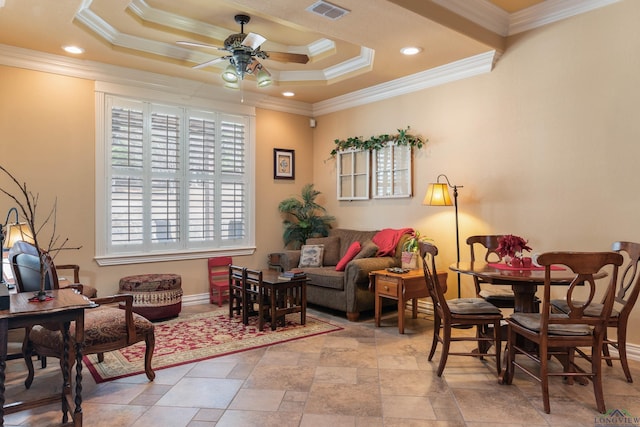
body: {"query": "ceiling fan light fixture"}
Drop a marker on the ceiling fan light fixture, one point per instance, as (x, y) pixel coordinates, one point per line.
(263, 78)
(232, 85)
(229, 74)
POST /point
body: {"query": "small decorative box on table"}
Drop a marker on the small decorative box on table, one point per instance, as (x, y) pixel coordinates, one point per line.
(155, 296)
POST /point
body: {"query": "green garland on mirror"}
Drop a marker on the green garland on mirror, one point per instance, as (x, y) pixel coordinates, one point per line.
(403, 137)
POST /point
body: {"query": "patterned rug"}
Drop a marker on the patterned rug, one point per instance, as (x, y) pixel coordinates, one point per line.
(194, 337)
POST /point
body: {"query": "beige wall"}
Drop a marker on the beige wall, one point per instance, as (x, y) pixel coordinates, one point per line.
(48, 141)
(546, 145)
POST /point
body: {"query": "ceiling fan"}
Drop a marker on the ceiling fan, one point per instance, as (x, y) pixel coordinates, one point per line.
(244, 49)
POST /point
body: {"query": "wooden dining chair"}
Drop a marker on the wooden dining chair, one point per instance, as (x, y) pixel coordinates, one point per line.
(256, 297)
(459, 312)
(560, 334)
(626, 296)
(237, 278)
(246, 294)
(498, 295)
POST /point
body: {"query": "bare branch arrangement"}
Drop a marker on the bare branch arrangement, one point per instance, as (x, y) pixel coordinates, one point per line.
(27, 203)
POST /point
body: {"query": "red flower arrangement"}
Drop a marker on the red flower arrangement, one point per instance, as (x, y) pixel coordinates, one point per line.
(510, 245)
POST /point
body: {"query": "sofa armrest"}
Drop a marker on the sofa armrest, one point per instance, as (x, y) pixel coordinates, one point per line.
(286, 259)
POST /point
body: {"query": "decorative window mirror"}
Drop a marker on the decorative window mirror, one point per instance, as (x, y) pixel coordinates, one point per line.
(391, 175)
(353, 174)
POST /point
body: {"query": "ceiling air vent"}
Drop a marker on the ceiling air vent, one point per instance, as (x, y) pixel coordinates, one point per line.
(328, 10)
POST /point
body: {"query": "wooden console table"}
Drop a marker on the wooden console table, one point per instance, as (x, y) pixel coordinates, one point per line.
(66, 306)
(401, 287)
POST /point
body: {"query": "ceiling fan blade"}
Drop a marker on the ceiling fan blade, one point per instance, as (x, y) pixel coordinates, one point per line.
(253, 40)
(195, 44)
(298, 58)
(206, 64)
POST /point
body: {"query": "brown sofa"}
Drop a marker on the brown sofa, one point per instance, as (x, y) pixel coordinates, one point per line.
(347, 290)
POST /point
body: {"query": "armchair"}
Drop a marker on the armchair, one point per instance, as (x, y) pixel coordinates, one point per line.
(106, 328)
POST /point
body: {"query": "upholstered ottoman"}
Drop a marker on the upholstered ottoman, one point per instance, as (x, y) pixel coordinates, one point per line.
(155, 296)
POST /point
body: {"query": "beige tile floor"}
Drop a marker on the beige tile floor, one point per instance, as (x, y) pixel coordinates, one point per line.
(360, 376)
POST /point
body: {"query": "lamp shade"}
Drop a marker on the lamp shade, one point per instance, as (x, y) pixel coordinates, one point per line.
(263, 78)
(230, 75)
(437, 195)
(16, 232)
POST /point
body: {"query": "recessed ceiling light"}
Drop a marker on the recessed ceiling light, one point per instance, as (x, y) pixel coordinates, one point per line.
(410, 50)
(73, 49)
(288, 93)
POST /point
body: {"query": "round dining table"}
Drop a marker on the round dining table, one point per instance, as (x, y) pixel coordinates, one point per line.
(524, 281)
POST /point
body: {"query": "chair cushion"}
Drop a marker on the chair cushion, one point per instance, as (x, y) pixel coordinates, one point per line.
(593, 310)
(531, 321)
(311, 256)
(331, 253)
(101, 325)
(472, 306)
(89, 291)
(499, 292)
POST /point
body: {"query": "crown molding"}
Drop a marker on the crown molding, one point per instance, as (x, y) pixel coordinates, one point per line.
(494, 19)
(482, 12)
(55, 64)
(62, 65)
(462, 69)
(552, 11)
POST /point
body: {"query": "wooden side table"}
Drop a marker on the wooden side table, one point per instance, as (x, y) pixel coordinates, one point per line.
(286, 296)
(401, 287)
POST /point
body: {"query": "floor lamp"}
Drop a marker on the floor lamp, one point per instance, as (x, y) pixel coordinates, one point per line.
(438, 195)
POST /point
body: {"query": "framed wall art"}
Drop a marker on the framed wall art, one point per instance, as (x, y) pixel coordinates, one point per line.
(284, 164)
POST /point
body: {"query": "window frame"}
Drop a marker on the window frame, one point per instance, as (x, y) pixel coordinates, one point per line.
(353, 174)
(170, 252)
(399, 176)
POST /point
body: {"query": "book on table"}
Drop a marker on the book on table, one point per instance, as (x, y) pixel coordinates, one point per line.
(292, 274)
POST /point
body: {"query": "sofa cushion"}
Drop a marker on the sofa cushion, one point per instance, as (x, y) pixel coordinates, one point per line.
(351, 253)
(369, 249)
(347, 237)
(311, 256)
(325, 277)
(331, 254)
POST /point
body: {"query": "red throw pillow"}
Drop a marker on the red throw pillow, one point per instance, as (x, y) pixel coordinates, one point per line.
(351, 252)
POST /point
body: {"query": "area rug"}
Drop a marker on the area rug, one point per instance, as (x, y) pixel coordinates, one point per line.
(194, 337)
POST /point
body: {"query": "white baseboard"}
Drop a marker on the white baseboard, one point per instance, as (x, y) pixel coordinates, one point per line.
(195, 299)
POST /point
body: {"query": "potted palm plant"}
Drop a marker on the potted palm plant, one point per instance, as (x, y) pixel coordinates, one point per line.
(304, 218)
